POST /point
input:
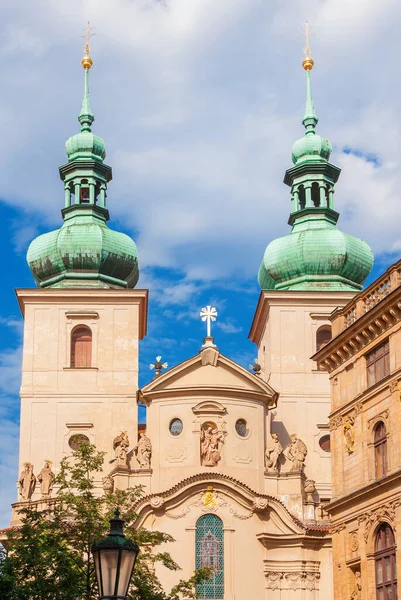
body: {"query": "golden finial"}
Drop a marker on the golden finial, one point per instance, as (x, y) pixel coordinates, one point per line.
(307, 63)
(86, 61)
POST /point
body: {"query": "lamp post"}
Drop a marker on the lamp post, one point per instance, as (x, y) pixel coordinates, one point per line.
(115, 559)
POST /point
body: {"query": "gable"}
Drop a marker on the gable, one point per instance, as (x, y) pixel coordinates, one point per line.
(209, 371)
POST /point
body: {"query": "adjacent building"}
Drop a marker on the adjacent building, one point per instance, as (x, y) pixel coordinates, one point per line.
(364, 364)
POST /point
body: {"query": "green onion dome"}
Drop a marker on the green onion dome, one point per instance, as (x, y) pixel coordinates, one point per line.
(316, 256)
(84, 252)
(85, 145)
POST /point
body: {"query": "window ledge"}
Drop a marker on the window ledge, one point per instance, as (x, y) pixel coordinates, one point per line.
(80, 368)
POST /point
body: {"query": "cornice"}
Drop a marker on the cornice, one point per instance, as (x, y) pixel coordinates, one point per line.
(379, 321)
(288, 298)
(74, 296)
(368, 491)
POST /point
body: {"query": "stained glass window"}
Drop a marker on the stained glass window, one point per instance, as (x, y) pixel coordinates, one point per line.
(176, 427)
(210, 553)
(241, 427)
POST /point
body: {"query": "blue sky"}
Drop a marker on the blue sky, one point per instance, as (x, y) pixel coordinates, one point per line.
(199, 103)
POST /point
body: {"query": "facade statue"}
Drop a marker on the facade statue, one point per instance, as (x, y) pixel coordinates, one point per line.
(357, 593)
(46, 478)
(273, 452)
(296, 452)
(210, 450)
(143, 451)
(27, 482)
(120, 447)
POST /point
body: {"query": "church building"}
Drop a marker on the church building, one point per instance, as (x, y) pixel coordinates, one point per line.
(235, 464)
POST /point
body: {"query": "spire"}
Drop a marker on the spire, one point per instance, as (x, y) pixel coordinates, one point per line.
(316, 255)
(86, 117)
(310, 119)
(84, 252)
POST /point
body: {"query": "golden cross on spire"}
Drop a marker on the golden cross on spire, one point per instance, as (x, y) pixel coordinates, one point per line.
(86, 61)
(87, 35)
(307, 63)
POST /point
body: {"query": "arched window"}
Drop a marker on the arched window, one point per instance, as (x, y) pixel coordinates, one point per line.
(386, 574)
(323, 336)
(315, 194)
(302, 197)
(380, 444)
(81, 347)
(210, 553)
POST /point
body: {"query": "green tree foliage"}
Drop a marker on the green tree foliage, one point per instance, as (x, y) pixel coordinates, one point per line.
(49, 555)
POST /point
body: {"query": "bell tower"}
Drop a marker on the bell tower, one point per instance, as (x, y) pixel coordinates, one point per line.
(304, 276)
(83, 322)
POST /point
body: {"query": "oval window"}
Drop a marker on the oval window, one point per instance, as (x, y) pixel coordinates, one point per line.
(176, 427)
(76, 440)
(324, 443)
(241, 427)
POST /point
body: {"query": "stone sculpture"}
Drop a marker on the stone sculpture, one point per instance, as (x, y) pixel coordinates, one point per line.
(108, 484)
(357, 593)
(210, 452)
(46, 478)
(273, 452)
(296, 452)
(120, 447)
(310, 488)
(143, 451)
(27, 482)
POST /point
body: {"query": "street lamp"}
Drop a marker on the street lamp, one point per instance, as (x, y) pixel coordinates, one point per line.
(115, 558)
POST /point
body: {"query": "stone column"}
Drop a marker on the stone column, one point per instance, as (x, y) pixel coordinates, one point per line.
(308, 195)
(322, 191)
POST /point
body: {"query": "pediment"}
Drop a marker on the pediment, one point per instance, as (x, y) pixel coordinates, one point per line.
(209, 373)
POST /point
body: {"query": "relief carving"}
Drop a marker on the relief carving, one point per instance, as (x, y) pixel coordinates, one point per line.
(274, 451)
(296, 452)
(27, 482)
(46, 478)
(334, 529)
(273, 580)
(385, 512)
(175, 453)
(157, 502)
(353, 541)
(143, 451)
(242, 453)
(357, 592)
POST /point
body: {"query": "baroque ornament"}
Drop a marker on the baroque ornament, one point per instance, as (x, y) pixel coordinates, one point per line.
(381, 513)
(353, 541)
(349, 437)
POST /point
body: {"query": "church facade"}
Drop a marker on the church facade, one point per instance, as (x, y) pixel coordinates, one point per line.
(235, 464)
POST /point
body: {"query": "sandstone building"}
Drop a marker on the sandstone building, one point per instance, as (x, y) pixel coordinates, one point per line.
(364, 363)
